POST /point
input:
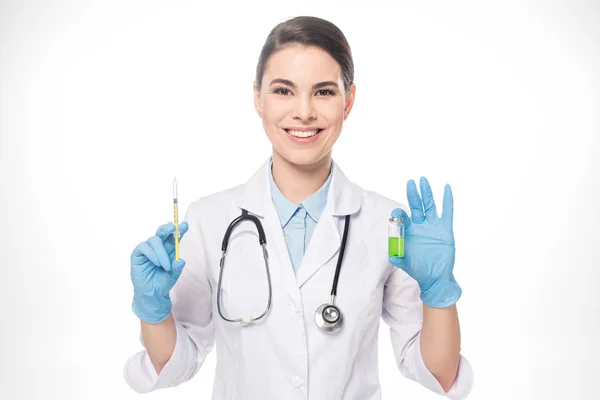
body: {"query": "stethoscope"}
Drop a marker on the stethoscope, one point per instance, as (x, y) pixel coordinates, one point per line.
(328, 316)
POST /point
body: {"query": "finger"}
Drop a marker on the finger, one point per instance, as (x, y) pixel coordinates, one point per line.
(167, 233)
(169, 243)
(157, 245)
(414, 202)
(165, 230)
(143, 252)
(448, 208)
(430, 210)
(183, 228)
(177, 268)
(400, 213)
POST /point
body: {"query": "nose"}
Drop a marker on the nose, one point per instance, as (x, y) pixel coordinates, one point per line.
(304, 109)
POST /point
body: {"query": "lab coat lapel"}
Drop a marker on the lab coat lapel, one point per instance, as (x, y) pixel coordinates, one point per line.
(324, 244)
(255, 197)
(343, 199)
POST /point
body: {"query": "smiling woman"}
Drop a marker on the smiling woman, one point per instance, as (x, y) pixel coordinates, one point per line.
(304, 91)
(296, 216)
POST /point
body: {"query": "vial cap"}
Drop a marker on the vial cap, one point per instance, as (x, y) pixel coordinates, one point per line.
(395, 219)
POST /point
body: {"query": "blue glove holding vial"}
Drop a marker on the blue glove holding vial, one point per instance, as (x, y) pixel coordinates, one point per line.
(429, 246)
(154, 272)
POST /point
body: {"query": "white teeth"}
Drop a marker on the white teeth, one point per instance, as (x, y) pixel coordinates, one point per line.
(303, 134)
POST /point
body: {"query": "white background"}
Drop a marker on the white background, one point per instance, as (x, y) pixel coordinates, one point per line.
(102, 103)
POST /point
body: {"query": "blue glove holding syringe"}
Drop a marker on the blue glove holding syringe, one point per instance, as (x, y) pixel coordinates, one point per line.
(155, 268)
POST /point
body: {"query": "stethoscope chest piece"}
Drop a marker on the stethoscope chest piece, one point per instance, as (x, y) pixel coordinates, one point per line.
(329, 317)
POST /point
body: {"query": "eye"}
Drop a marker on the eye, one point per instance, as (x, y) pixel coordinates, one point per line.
(327, 92)
(282, 91)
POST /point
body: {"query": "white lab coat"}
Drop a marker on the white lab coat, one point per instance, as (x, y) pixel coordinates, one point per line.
(286, 356)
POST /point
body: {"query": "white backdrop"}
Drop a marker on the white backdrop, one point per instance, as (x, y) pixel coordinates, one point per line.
(102, 103)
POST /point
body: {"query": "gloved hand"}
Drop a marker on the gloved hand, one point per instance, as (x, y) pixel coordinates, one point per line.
(429, 246)
(154, 272)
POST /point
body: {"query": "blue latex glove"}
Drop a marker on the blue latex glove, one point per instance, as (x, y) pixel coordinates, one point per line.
(154, 272)
(429, 245)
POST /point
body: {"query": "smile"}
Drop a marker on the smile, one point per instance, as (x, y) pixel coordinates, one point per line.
(303, 134)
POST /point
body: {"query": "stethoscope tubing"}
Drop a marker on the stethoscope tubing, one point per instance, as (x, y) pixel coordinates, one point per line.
(322, 319)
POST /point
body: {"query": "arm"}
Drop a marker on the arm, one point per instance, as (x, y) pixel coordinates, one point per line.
(440, 343)
(175, 349)
(160, 341)
(412, 337)
(427, 268)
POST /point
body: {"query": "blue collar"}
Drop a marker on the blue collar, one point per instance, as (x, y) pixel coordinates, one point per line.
(314, 205)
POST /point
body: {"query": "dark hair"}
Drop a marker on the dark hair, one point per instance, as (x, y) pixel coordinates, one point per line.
(308, 31)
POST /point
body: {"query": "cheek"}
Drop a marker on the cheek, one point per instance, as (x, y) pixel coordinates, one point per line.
(273, 111)
(332, 112)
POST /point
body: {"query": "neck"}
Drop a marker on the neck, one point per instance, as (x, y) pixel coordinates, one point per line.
(299, 182)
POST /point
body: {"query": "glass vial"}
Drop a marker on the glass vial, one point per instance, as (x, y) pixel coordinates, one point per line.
(396, 237)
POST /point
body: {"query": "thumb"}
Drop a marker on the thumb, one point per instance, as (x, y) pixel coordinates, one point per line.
(177, 268)
(399, 262)
(400, 213)
(402, 262)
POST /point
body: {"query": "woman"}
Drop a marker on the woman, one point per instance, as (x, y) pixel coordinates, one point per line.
(304, 92)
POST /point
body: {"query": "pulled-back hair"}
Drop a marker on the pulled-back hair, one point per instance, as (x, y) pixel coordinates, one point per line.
(308, 31)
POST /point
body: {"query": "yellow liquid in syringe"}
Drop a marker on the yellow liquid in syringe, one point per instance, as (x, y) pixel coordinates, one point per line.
(176, 233)
(176, 219)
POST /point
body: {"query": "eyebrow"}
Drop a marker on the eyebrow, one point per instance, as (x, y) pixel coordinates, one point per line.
(292, 84)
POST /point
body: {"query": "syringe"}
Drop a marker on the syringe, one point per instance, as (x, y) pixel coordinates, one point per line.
(176, 219)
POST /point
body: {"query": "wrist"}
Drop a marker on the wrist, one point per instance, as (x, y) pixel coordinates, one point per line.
(152, 310)
(442, 293)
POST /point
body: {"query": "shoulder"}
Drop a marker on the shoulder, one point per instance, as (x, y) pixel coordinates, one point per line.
(376, 204)
(214, 203)
(372, 199)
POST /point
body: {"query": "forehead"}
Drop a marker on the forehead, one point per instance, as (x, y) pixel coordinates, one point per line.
(302, 64)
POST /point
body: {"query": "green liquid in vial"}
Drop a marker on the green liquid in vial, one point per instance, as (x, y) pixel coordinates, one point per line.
(396, 247)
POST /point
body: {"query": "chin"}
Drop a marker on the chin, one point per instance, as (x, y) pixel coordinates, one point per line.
(302, 158)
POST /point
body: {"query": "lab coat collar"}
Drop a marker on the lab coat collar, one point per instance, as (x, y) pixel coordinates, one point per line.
(313, 205)
(343, 198)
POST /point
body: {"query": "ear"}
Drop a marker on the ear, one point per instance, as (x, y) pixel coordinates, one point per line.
(257, 105)
(350, 95)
